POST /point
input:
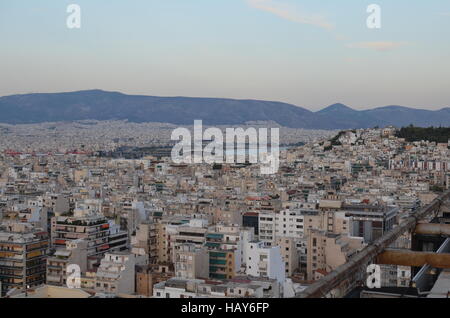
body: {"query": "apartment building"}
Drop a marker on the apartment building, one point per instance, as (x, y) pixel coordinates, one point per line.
(191, 261)
(149, 275)
(239, 287)
(194, 232)
(116, 274)
(326, 251)
(222, 263)
(265, 261)
(23, 251)
(266, 226)
(228, 239)
(371, 221)
(290, 254)
(92, 227)
(289, 223)
(75, 252)
(145, 241)
(58, 203)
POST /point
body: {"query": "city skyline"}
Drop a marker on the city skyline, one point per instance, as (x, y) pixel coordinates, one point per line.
(289, 51)
(213, 156)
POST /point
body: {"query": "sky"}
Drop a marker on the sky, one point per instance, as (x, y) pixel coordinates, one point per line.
(311, 53)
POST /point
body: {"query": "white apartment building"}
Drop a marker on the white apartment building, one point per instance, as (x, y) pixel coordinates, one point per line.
(265, 261)
(289, 223)
(266, 224)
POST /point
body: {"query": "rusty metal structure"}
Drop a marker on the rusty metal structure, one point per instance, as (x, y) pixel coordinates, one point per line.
(433, 229)
(353, 272)
(413, 258)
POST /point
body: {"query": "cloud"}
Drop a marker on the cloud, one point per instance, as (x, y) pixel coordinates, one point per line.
(290, 13)
(377, 46)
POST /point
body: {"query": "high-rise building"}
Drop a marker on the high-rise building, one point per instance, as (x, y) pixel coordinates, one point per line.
(100, 233)
(23, 252)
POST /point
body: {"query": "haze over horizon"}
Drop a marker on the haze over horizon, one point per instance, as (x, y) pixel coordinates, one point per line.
(238, 99)
(304, 53)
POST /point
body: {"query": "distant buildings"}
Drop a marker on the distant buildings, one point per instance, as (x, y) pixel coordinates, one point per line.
(147, 227)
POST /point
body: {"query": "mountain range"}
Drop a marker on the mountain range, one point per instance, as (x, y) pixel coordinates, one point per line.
(103, 105)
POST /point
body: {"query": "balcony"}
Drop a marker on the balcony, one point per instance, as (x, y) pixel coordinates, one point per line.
(262, 265)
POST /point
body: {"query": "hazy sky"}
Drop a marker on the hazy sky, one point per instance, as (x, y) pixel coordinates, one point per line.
(311, 53)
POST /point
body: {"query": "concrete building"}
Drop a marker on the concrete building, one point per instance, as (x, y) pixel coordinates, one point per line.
(116, 274)
(290, 254)
(265, 261)
(191, 261)
(239, 287)
(145, 241)
(371, 221)
(100, 234)
(222, 263)
(23, 250)
(326, 251)
(74, 253)
(149, 275)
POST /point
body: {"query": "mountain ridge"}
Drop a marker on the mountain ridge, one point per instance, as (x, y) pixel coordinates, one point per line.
(105, 105)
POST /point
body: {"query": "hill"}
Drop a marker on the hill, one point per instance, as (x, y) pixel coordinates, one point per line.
(103, 105)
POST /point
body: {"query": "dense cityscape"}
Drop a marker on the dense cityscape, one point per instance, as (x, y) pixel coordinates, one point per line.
(224, 157)
(150, 228)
